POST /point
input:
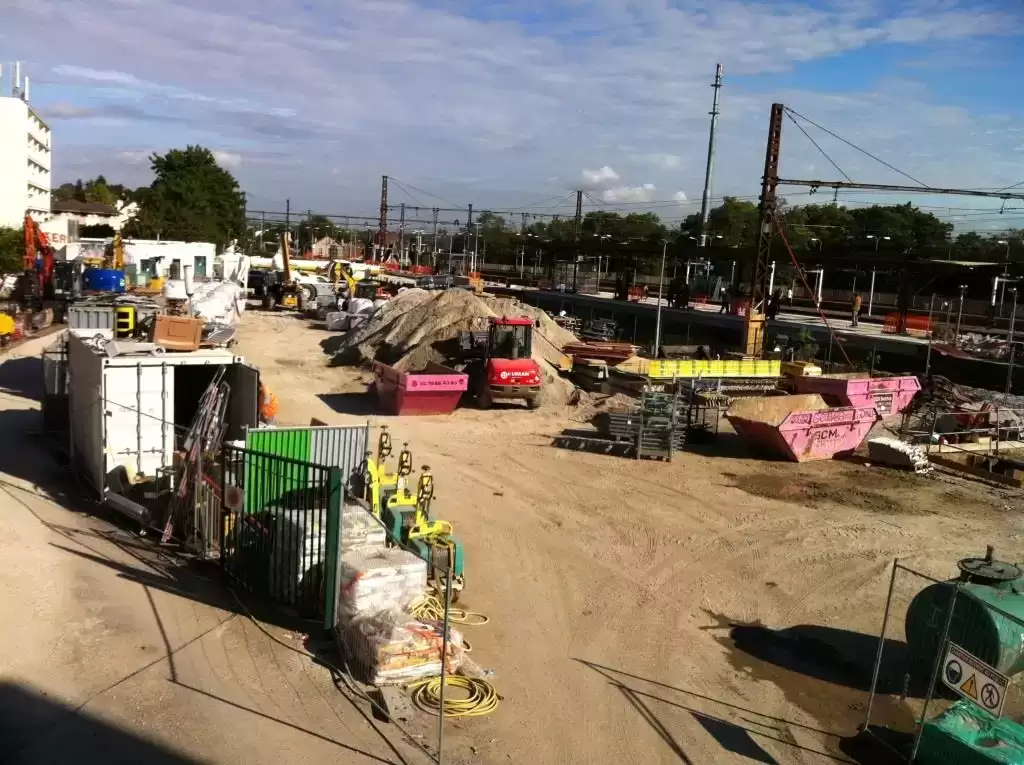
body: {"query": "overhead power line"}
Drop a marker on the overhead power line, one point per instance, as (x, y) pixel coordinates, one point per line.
(852, 145)
(816, 146)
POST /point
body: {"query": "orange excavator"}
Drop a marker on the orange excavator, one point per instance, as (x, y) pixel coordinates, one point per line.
(38, 265)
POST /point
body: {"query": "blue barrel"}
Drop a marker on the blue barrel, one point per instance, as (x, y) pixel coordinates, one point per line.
(103, 280)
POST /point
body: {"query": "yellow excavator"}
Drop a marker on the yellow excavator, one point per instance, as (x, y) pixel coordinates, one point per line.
(114, 257)
(406, 517)
(379, 486)
(287, 293)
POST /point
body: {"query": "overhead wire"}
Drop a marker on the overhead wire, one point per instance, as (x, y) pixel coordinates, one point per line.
(421, 191)
(816, 146)
(781, 226)
(852, 145)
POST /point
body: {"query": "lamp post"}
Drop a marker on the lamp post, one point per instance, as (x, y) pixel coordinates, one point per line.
(1013, 317)
(661, 282)
(817, 241)
(960, 313)
(877, 239)
(931, 334)
(1006, 243)
(871, 294)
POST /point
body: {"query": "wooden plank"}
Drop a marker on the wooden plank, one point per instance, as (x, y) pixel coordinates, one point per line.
(949, 462)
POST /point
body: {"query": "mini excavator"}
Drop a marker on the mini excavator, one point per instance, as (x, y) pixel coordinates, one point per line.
(378, 485)
(406, 516)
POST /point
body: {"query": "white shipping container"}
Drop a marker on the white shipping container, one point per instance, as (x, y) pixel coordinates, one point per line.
(125, 410)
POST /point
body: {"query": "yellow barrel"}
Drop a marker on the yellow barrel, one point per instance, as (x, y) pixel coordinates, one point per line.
(124, 320)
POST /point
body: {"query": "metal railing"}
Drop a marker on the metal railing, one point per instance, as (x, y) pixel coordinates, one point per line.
(923, 616)
(280, 528)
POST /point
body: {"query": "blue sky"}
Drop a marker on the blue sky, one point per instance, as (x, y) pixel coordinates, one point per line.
(506, 103)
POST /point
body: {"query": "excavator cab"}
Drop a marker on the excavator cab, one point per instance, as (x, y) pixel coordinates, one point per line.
(510, 339)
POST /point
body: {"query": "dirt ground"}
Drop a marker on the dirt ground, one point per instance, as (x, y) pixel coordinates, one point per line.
(113, 652)
(637, 607)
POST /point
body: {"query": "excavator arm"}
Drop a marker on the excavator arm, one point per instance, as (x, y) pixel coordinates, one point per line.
(38, 262)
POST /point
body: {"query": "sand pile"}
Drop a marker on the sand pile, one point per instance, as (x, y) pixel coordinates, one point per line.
(772, 410)
(417, 327)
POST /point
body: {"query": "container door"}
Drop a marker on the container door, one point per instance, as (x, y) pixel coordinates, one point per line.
(244, 403)
(139, 408)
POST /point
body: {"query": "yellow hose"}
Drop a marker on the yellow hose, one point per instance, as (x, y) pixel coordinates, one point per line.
(431, 607)
(482, 700)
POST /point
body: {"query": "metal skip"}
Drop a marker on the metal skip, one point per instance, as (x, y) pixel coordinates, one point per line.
(975, 680)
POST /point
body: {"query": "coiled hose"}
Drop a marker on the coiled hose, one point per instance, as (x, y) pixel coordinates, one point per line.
(431, 607)
(481, 700)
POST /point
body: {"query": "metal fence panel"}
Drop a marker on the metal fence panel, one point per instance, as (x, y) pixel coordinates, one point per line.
(923, 616)
(340, 446)
(278, 517)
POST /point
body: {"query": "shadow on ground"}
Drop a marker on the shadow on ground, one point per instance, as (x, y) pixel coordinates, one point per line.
(361, 403)
(837, 656)
(36, 729)
(22, 376)
(737, 736)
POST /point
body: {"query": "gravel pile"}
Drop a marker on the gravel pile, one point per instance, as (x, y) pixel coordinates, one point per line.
(417, 327)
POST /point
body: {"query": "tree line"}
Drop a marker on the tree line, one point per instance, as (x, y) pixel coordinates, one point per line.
(191, 199)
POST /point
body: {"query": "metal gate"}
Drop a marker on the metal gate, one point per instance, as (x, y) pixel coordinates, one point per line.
(281, 521)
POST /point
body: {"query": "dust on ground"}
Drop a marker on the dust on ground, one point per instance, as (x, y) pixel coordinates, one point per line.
(615, 586)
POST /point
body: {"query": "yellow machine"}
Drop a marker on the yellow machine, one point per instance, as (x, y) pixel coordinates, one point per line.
(379, 485)
(288, 293)
(406, 516)
(114, 257)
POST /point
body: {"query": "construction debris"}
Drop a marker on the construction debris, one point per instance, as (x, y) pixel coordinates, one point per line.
(896, 453)
(416, 327)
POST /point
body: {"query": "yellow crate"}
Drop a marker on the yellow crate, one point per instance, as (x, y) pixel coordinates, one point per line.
(667, 370)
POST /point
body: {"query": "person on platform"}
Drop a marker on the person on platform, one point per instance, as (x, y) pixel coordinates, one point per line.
(774, 304)
(857, 303)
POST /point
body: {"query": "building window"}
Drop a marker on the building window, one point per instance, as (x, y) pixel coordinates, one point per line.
(175, 271)
(200, 267)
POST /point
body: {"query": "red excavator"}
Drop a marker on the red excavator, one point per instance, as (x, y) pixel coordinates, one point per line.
(500, 364)
(38, 266)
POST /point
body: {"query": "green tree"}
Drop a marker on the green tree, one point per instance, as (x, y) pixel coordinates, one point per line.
(96, 190)
(12, 249)
(191, 199)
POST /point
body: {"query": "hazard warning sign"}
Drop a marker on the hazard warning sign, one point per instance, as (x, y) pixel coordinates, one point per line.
(974, 679)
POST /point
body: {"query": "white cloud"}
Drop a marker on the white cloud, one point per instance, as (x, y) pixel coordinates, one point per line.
(105, 76)
(644, 193)
(680, 196)
(593, 179)
(134, 157)
(513, 105)
(227, 159)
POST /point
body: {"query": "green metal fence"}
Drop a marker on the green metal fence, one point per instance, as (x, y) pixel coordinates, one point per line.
(281, 527)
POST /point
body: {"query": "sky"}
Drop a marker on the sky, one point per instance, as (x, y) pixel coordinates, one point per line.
(513, 104)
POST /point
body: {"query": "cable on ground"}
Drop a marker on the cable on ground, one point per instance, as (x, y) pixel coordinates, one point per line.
(482, 699)
(431, 607)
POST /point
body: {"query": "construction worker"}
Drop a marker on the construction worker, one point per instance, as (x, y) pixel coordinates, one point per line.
(857, 303)
(268, 405)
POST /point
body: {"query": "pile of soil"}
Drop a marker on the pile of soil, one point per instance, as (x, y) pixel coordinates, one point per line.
(772, 410)
(417, 327)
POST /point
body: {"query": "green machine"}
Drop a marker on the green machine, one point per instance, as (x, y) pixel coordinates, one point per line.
(406, 516)
(987, 622)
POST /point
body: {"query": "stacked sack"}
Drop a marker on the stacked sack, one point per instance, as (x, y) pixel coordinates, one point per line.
(383, 642)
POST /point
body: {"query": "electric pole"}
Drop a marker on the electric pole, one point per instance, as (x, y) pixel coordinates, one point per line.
(709, 172)
(382, 229)
(435, 235)
(401, 233)
(754, 340)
